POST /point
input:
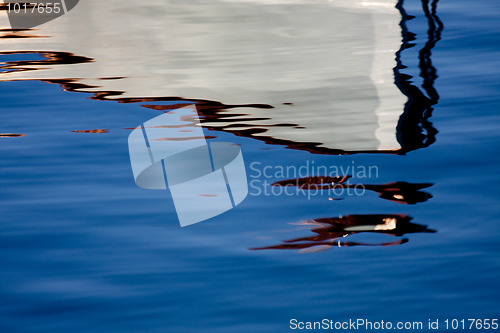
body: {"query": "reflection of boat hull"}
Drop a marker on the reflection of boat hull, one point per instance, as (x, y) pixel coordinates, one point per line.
(337, 72)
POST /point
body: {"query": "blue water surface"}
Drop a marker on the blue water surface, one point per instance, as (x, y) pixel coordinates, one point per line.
(83, 249)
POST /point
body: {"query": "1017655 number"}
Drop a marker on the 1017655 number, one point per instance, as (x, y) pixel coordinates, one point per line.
(471, 324)
(34, 8)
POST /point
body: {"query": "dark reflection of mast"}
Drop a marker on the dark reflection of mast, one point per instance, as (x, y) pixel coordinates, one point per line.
(414, 130)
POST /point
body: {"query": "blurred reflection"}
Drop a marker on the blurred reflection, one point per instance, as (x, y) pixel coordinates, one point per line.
(401, 192)
(18, 33)
(314, 107)
(103, 130)
(11, 135)
(331, 231)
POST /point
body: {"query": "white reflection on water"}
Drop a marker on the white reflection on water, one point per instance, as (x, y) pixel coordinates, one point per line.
(332, 60)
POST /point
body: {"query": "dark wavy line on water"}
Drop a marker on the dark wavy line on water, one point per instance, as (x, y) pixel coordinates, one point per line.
(51, 58)
(414, 130)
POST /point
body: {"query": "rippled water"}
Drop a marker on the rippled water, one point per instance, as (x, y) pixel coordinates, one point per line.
(84, 249)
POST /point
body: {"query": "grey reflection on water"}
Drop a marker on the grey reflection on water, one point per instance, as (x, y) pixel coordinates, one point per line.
(307, 109)
(19, 33)
(414, 131)
(333, 89)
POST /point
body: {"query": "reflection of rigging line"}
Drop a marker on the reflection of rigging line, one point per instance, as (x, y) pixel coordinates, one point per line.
(428, 72)
(434, 35)
(414, 130)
